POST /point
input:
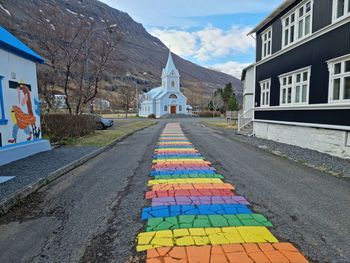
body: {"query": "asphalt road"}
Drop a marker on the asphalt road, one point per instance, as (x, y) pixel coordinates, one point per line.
(92, 214)
(308, 208)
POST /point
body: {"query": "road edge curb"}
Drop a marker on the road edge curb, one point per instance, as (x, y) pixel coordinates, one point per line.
(17, 197)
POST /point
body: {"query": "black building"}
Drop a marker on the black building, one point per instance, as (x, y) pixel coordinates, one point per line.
(302, 75)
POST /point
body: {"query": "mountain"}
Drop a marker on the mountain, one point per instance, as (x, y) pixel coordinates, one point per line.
(144, 55)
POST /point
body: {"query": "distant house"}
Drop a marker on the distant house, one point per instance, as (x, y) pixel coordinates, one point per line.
(302, 75)
(102, 104)
(166, 99)
(248, 79)
(20, 132)
(59, 101)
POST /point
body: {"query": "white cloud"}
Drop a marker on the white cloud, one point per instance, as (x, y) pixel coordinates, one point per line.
(215, 42)
(232, 68)
(208, 43)
(180, 42)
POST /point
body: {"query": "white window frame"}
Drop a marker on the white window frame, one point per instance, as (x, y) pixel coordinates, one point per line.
(266, 41)
(346, 10)
(265, 92)
(342, 75)
(290, 83)
(298, 18)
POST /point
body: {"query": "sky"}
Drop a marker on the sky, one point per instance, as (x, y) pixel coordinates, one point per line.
(211, 33)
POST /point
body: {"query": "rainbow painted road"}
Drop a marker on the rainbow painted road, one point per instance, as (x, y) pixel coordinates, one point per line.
(196, 217)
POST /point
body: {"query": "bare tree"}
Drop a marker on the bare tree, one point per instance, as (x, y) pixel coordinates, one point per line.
(127, 97)
(77, 50)
(61, 39)
(100, 51)
(72, 45)
(49, 71)
(216, 102)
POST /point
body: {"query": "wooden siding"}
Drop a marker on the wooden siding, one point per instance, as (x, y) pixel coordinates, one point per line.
(322, 14)
(314, 53)
(326, 116)
(322, 17)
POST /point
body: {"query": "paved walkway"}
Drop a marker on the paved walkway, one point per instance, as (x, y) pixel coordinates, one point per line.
(26, 171)
(196, 217)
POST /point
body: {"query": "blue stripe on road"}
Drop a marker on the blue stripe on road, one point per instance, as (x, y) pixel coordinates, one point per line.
(169, 211)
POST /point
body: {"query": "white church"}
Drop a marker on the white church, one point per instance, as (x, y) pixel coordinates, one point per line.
(168, 98)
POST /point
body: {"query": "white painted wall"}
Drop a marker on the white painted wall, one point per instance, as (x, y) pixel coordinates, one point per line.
(180, 101)
(169, 87)
(15, 68)
(248, 91)
(146, 108)
(328, 141)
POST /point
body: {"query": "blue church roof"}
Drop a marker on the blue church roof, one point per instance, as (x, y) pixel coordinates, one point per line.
(10, 43)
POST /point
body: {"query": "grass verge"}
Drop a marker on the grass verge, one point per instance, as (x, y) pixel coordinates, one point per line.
(105, 137)
(220, 124)
(118, 115)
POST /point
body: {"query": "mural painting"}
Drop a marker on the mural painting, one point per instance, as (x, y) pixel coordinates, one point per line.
(20, 130)
(22, 115)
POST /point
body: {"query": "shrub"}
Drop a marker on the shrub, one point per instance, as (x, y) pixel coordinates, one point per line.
(60, 127)
(152, 116)
(208, 113)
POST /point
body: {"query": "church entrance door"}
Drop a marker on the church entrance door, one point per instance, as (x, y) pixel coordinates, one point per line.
(173, 109)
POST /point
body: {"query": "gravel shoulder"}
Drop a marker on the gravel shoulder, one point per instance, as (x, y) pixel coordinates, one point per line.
(35, 167)
(335, 166)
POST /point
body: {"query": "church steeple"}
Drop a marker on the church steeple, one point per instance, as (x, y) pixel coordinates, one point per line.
(171, 76)
(170, 65)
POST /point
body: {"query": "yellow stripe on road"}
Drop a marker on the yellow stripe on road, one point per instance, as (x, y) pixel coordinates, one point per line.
(186, 181)
(204, 236)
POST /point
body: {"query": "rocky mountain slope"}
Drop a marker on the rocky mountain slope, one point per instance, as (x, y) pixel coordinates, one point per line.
(144, 55)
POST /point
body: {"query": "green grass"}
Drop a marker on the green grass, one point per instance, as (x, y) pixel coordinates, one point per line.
(105, 137)
(220, 124)
(118, 115)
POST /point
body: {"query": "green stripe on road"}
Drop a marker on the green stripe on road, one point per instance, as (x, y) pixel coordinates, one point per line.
(201, 221)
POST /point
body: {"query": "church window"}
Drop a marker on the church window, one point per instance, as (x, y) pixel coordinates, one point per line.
(180, 108)
(173, 83)
(172, 96)
(165, 108)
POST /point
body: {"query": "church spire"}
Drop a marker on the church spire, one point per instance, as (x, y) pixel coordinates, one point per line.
(170, 65)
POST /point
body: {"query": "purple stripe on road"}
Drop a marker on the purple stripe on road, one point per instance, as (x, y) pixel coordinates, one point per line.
(198, 200)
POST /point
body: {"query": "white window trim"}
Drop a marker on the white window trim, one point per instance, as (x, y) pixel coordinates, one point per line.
(342, 76)
(293, 86)
(296, 23)
(334, 11)
(268, 42)
(262, 93)
(311, 37)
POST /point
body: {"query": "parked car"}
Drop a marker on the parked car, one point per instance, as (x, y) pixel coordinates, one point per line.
(102, 123)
